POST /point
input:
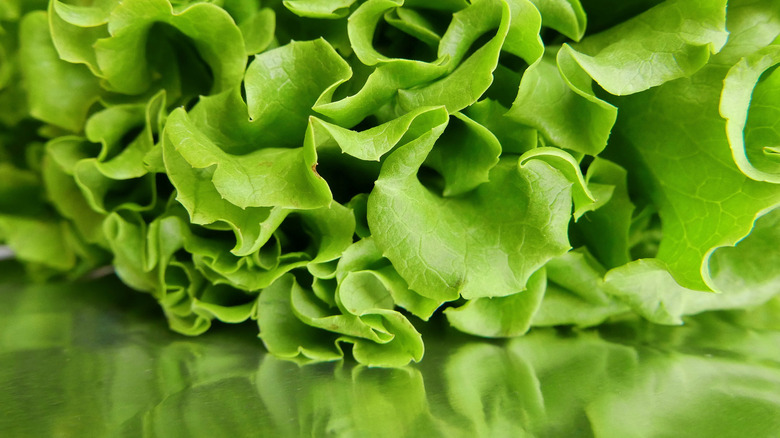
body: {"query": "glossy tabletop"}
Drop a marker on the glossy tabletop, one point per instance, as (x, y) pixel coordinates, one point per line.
(92, 358)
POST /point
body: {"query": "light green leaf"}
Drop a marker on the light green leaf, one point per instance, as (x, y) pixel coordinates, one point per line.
(565, 16)
(362, 291)
(122, 57)
(464, 155)
(413, 23)
(75, 29)
(224, 303)
(283, 84)
(267, 177)
(258, 30)
(514, 137)
(674, 140)
(583, 199)
(578, 121)
(380, 89)
(365, 259)
(749, 104)
(104, 194)
(448, 247)
(439, 5)
(126, 233)
(606, 229)
(38, 240)
(119, 158)
(373, 143)
(93, 14)
(58, 92)
(195, 191)
(500, 317)
(362, 26)
(388, 76)
(670, 41)
(474, 75)
(328, 9)
(301, 239)
(67, 198)
(576, 293)
(406, 346)
(283, 334)
(744, 276)
(381, 337)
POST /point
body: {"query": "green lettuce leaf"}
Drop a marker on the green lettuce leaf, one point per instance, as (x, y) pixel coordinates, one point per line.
(525, 205)
(58, 92)
(290, 316)
(744, 275)
(749, 105)
(687, 170)
(496, 317)
(338, 171)
(576, 293)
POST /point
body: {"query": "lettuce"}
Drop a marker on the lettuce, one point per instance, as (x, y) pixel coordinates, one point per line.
(340, 172)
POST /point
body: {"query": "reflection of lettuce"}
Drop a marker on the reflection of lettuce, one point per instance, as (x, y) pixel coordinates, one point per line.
(68, 368)
(341, 170)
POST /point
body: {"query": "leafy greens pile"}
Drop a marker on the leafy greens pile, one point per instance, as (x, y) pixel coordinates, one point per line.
(341, 170)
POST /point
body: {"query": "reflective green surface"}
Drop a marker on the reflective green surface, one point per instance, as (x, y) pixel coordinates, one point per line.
(95, 359)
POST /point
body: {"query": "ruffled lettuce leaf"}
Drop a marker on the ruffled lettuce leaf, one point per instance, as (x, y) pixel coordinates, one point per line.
(670, 41)
(111, 39)
(294, 323)
(749, 105)
(448, 247)
(500, 317)
(565, 16)
(745, 276)
(576, 293)
(704, 201)
(338, 170)
(606, 228)
(58, 92)
(319, 9)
